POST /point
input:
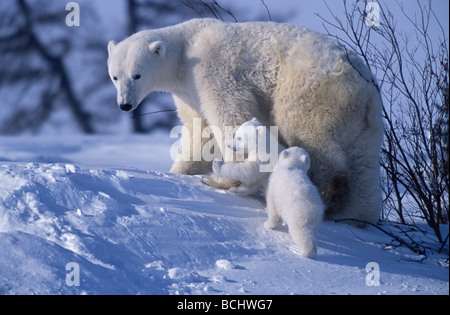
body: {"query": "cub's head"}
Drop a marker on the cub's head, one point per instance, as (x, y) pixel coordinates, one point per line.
(294, 157)
(246, 137)
(135, 67)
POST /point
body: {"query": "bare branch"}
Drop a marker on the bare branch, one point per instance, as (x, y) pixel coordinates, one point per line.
(412, 72)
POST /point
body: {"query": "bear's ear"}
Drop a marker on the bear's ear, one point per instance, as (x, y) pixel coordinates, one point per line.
(111, 46)
(157, 48)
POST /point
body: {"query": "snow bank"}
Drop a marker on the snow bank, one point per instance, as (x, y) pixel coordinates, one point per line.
(135, 231)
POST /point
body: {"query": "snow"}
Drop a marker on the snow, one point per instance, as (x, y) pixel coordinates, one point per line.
(108, 205)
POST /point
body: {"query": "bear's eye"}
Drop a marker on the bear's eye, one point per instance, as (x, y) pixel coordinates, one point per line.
(239, 138)
(137, 77)
(115, 78)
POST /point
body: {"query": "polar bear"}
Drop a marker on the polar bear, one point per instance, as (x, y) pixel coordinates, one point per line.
(321, 96)
(253, 140)
(293, 198)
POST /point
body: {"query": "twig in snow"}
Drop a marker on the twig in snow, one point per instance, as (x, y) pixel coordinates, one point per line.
(416, 248)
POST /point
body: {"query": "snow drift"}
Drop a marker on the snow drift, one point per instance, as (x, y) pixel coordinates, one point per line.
(95, 203)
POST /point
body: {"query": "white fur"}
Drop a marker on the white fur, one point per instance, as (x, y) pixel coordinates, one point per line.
(292, 198)
(321, 96)
(250, 137)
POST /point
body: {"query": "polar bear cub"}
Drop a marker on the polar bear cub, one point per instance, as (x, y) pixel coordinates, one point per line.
(293, 198)
(251, 139)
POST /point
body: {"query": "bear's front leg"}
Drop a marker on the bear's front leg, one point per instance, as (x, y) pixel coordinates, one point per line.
(274, 220)
(245, 172)
(189, 159)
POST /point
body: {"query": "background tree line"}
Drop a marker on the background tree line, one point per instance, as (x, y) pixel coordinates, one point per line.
(54, 74)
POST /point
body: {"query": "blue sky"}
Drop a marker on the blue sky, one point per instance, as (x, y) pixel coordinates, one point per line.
(301, 12)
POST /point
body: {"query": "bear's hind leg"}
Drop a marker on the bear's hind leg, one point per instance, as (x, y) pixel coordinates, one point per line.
(305, 238)
(364, 200)
(330, 173)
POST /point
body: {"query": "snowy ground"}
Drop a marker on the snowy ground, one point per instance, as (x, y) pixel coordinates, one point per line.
(109, 205)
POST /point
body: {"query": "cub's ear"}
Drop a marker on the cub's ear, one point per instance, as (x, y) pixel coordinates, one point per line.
(157, 48)
(111, 46)
(284, 154)
(304, 159)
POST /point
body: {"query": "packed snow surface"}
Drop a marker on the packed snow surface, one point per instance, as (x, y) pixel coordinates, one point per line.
(109, 206)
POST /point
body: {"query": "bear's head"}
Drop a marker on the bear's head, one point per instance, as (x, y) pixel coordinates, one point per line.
(295, 157)
(247, 137)
(135, 68)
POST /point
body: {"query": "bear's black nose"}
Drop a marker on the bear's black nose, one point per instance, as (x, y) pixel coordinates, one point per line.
(126, 107)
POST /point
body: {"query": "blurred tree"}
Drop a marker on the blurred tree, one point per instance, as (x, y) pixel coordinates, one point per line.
(212, 9)
(34, 74)
(55, 75)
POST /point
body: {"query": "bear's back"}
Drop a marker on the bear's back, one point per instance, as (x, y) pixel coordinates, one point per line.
(251, 36)
(273, 44)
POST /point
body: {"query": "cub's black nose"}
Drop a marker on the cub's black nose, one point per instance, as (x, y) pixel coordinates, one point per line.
(126, 107)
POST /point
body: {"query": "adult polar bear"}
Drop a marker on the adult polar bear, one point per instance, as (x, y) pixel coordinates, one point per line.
(322, 97)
